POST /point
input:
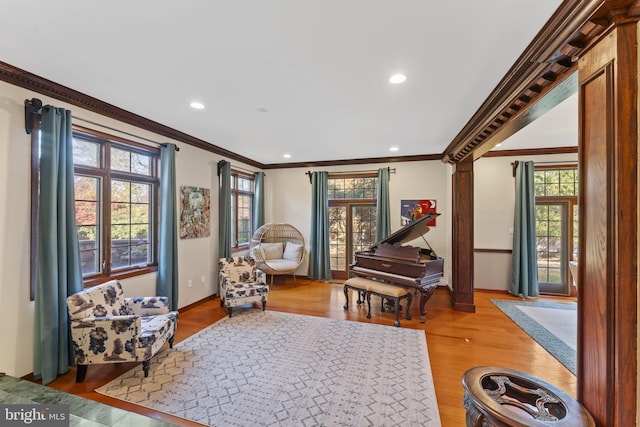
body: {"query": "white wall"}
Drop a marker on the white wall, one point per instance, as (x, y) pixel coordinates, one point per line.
(194, 167)
(16, 329)
(288, 198)
(494, 199)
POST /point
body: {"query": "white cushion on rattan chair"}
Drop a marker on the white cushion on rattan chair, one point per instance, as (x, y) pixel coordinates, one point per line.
(293, 251)
(271, 250)
(281, 264)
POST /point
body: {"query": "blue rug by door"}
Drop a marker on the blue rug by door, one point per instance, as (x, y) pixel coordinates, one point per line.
(553, 325)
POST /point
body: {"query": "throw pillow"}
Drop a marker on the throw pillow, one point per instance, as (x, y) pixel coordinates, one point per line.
(292, 251)
(272, 250)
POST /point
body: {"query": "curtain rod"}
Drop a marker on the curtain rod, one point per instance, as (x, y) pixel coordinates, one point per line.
(514, 165)
(391, 170)
(243, 169)
(559, 162)
(566, 162)
(33, 105)
(222, 162)
(120, 131)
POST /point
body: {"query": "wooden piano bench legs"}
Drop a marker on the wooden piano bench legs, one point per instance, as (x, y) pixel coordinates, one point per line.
(381, 289)
(362, 295)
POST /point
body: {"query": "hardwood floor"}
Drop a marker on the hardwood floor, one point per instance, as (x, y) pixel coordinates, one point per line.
(457, 341)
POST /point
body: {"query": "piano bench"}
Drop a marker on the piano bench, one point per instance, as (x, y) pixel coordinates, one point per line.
(384, 290)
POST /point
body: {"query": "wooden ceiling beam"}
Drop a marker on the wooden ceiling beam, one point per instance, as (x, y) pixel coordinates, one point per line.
(547, 62)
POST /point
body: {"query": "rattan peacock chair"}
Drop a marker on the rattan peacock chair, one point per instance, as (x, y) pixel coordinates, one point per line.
(278, 249)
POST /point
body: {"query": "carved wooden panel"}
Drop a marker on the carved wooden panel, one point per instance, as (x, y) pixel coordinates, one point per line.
(607, 309)
(462, 252)
(596, 208)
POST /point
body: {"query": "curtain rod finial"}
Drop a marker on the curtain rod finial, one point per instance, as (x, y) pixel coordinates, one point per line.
(31, 108)
(514, 167)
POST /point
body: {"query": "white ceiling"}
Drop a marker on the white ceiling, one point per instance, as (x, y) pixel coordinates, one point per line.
(320, 68)
(556, 128)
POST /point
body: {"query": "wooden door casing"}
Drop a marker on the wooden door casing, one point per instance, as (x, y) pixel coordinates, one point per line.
(607, 288)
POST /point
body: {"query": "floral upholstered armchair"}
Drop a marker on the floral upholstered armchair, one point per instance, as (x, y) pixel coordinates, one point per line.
(106, 327)
(241, 283)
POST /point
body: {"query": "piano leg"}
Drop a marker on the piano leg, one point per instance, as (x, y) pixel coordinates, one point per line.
(425, 294)
(346, 298)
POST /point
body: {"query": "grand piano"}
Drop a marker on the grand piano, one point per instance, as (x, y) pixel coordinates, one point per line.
(390, 261)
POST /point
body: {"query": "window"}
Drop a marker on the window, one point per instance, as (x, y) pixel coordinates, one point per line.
(116, 192)
(556, 225)
(352, 219)
(116, 185)
(242, 193)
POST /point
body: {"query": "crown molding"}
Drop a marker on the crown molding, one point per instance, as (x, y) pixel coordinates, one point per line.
(30, 81)
(361, 161)
(547, 62)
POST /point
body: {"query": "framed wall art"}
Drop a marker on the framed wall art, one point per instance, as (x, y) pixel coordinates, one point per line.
(195, 205)
(411, 210)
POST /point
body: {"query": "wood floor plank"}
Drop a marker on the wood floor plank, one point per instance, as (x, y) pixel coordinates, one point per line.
(457, 341)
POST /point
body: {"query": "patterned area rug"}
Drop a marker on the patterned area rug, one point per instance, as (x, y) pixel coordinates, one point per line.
(280, 369)
(553, 325)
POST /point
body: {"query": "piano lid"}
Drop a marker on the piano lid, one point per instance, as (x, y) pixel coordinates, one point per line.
(410, 231)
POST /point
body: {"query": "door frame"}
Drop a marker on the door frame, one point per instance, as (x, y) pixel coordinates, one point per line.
(348, 204)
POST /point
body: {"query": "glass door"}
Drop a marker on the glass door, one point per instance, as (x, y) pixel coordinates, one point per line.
(352, 228)
(553, 238)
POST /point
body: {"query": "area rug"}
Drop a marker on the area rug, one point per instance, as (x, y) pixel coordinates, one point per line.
(553, 325)
(281, 369)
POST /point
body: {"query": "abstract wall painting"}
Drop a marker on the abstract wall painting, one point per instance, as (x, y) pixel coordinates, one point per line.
(195, 205)
(411, 210)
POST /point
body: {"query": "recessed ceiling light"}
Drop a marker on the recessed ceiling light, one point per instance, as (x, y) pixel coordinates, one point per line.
(286, 155)
(197, 105)
(397, 78)
(393, 149)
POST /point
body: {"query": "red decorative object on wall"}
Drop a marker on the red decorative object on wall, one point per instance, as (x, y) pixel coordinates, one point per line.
(411, 210)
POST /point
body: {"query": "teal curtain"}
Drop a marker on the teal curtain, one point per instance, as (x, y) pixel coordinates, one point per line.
(224, 203)
(258, 201)
(58, 270)
(383, 217)
(524, 270)
(319, 261)
(167, 278)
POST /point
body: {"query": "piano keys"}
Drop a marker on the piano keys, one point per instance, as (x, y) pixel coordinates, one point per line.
(391, 261)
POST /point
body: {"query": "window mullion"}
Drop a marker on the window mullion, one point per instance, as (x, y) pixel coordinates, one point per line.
(106, 213)
(235, 217)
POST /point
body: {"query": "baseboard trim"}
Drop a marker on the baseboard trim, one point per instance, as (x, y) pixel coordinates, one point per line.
(493, 291)
(466, 307)
(197, 303)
